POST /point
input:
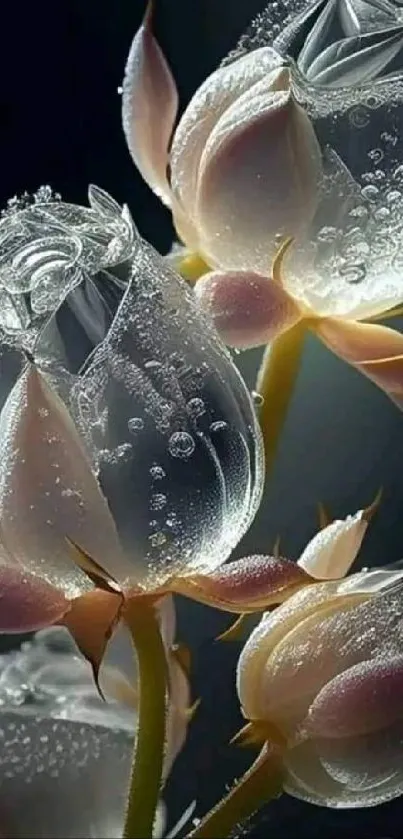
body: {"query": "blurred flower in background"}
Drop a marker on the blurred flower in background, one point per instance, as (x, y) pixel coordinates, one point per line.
(66, 754)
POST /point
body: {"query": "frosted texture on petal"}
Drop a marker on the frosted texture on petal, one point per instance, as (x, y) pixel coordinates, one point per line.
(348, 75)
(259, 178)
(58, 735)
(269, 632)
(247, 309)
(47, 489)
(173, 427)
(28, 602)
(332, 551)
(210, 101)
(322, 645)
(309, 777)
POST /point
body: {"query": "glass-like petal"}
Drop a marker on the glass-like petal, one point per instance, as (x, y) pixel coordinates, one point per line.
(332, 551)
(358, 59)
(149, 106)
(306, 34)
(48, 247)
(66, 754)
(208, 104)
(179, 452)
(61, 778)
(340, 779)
(348, 263)
(47, 489)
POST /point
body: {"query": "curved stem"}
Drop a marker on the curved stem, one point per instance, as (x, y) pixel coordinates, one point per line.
(260, 784)
(145, 783)
(275, 382)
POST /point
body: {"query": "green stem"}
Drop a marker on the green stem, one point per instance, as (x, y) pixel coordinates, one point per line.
(275, 383)
(145, 783)
(260, 784)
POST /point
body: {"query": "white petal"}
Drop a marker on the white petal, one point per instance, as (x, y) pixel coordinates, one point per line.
(47, 489)
(259, 177)
(332, 551)
(210, 101)
(149, 106)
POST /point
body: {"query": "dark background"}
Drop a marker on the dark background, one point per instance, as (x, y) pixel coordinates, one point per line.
(60, 66)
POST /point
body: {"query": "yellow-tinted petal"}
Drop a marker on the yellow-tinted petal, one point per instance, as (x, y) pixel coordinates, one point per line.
(264, 639)
(376, 351)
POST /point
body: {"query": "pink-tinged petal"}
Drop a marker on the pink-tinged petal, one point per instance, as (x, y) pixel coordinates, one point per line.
(376, 351)
(247, 309)
(149, 107)
(27, 602)
(210, 101)
(48, 491)
(258, 178)
(365, 698)
(332, 551)
(245, 585)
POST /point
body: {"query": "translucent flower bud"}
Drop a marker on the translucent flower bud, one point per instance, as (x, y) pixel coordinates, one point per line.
(155, 468)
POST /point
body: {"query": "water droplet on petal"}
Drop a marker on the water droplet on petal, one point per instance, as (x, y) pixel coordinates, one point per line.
(158, 501)
(258, 399)
(135, 424)
(181, 444)
(196, 407)
(219, 425)
(157, 473)
(158, 539)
